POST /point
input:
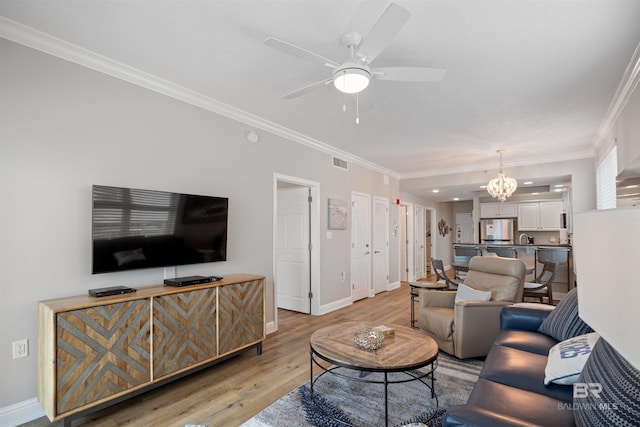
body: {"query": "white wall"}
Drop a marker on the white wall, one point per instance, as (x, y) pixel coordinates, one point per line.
(610, 238)
(65, 127)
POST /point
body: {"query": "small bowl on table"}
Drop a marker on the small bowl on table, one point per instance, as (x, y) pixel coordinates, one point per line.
(368, 340)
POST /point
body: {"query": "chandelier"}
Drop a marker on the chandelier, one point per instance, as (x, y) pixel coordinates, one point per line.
(501, 186)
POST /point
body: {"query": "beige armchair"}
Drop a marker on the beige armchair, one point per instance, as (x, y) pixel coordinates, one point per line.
(468, 328)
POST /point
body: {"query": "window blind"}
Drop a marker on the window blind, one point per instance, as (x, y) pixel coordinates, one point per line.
(606, 180)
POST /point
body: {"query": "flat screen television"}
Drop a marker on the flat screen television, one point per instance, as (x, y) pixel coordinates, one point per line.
(134, 229)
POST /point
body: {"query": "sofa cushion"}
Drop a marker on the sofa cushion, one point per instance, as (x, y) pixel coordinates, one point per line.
(523, 405)
(532, 342)
(563, 322)
(618, 383)
(465, 293)
(522, 370)
(567, 358)
(469, 415)
(515, 316)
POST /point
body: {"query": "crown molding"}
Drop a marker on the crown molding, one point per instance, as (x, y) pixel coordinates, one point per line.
(578, 155)
(44, 42)
(627, 85)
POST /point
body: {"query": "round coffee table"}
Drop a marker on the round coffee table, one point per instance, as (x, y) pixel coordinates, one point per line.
(403, 352)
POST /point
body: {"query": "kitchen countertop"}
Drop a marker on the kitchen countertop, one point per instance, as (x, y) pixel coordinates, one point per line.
(546, 245)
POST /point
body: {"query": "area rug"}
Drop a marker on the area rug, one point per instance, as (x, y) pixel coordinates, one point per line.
(361, 404)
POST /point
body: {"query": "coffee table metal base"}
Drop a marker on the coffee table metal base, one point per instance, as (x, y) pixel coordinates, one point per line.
(398, 361)
(414, 375)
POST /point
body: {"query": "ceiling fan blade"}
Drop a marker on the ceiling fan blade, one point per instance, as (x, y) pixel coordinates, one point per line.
(300, 52)
(383, 32)
(306, 89)
(409, 74)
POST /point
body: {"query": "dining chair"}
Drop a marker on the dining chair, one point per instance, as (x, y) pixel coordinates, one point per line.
(460, 274)
(542, 286)
(441, 276)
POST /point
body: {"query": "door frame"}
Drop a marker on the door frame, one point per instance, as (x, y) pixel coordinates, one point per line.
(419, 240)
(385, 202)
(314, 216)
(408, 224)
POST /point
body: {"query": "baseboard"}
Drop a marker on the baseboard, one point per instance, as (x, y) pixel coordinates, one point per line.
(271, 327)
(20, 413)
(345, 302)
(394, 285)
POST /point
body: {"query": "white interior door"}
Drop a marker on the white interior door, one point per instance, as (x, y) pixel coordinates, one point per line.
(419, 237)
(292, 250)
(380, 244)
(360, 245)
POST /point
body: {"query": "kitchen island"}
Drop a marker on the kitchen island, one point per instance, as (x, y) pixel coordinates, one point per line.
(531, 254)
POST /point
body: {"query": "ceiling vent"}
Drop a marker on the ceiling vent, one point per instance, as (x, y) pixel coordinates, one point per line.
(339, 163)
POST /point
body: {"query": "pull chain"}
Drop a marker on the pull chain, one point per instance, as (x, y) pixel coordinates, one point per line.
(357, 109)
(344, 102)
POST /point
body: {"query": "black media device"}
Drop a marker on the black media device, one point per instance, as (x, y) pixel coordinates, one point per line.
(191, 280)
(134, 229)
(113, 290)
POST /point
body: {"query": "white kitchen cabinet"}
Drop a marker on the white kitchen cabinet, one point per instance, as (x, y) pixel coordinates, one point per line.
(539, 216)
(498, 210)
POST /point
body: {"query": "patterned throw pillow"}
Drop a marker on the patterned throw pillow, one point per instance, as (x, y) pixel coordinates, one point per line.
(563, 322)
(567, 358)
(609, 393)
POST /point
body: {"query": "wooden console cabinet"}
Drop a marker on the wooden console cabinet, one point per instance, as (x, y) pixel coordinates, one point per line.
(93, 351)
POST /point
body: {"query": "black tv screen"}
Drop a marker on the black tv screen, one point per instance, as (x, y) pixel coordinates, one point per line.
(133, 229)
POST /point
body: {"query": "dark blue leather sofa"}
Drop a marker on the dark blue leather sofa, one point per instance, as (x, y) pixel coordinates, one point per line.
(511, 390)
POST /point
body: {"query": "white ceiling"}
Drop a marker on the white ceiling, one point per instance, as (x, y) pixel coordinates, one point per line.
(535, 78)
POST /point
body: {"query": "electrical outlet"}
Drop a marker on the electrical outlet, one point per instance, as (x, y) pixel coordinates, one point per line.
(21, 348)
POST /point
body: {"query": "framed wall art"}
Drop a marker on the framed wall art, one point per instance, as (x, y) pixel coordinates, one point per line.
(338, 213)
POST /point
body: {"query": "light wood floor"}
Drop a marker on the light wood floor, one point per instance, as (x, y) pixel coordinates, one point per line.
(230, 393)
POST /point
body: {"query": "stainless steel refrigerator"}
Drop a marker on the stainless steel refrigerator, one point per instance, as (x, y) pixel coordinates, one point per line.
(497, 231)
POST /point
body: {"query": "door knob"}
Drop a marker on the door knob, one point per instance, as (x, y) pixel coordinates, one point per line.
(376, 252)
(367, 253)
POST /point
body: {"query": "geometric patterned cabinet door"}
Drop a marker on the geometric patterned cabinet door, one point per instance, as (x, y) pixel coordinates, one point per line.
(94, 351)
(184, 330)
(241, 315)
(101, 351)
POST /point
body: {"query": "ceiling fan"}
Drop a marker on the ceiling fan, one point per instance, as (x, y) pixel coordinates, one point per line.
(354, 75)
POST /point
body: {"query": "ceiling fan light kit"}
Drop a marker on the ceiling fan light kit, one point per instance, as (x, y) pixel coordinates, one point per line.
(351, 78)
(355, 74)
(501, 186)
